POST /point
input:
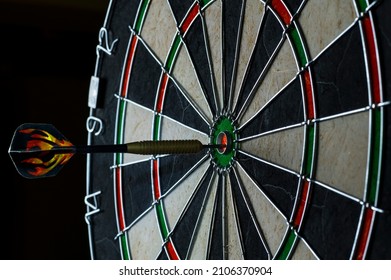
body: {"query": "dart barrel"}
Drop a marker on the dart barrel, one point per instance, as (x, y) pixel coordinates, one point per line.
(165, 147)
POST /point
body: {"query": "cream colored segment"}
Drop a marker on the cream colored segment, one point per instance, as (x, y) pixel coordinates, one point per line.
(185, 75)
(253, 15)
(342, 153)
(302, 252)
(235, 252)
(322, 21)
(273, 225)
(175, 201)
(213, 24)
(284, 148)
(144, 238)
(138, 123)
(172, 130)
(280, 73)
(159, 28)
(200, 244)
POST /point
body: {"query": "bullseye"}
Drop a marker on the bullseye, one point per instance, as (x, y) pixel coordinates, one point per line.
(225, 140)
(224, 135)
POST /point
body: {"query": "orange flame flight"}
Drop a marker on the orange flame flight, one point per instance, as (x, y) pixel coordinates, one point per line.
(45, 142)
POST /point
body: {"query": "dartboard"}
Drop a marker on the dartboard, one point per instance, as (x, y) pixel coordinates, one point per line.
(297, 92)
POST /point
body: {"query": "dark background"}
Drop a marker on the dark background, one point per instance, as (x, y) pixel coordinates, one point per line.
(47, 55)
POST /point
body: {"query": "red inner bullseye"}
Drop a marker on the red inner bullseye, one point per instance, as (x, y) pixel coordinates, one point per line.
(222, 139)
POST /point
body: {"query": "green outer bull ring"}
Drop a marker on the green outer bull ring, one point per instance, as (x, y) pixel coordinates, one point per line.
(223, 132)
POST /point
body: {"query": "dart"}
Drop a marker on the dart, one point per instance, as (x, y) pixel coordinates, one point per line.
(40, 150)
